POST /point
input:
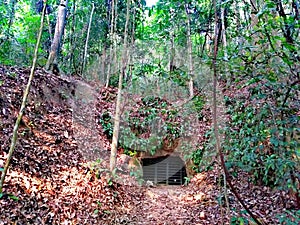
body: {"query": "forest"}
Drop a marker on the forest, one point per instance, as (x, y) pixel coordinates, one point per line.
(150, 112)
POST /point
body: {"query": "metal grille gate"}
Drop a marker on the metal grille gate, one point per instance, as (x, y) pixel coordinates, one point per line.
(168, 170)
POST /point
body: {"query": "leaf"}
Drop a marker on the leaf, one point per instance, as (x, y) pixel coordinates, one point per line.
(252, 81)
(261, 13)
(99, 203)
(274, 141)
(287, 60)
(13, 197)
(107, 212)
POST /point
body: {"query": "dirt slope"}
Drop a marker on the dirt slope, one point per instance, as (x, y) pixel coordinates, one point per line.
(48, 182)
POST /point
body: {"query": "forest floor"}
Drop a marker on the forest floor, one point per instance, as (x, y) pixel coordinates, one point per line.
(56, 178)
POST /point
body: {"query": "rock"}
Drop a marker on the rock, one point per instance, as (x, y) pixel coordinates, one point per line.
(199, 197)
(122, 162)
(202, 215)
(149, 183)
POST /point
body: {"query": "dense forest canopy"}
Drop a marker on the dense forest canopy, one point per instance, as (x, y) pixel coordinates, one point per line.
(169, 53)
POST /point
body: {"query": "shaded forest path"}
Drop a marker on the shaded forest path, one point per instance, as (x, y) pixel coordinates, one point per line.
(172, 205)
(195, 203)
(202, 202)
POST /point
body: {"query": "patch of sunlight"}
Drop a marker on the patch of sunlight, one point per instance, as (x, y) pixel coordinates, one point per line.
(31, 183)
(150, 3)
(47, 138)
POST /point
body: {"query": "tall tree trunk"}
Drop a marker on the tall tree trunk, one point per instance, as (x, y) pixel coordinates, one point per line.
(23, 105)
(224, 39)
(11, 16)
(103, 63)
(190, 55)
(128, 76)
(59, 30)
(72, 38)
(115, 61)
(114, 144)
(254, 18)
(172, 48)
(49, 27)
(172, 54)
(87, 38)
(112, 37)
(287, 28)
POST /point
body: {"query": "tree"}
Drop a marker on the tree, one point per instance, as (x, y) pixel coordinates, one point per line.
(59, 30)
(190, 53)
(87, 37)
(112, 35)
(114, 144)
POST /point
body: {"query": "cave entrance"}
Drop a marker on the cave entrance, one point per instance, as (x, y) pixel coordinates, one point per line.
(168, 170)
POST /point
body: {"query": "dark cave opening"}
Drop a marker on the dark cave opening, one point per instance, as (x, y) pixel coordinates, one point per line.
(169, 170)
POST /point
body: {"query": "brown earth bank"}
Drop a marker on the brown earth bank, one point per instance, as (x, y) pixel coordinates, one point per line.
(58, 177)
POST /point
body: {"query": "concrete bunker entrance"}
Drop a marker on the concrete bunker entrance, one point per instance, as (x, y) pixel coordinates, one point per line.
(169, 170)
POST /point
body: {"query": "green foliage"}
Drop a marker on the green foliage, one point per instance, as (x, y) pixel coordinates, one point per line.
(204, 155)
(263, 122)
(19, 37)
(179, 76)
(289, 217)
(198, 103)
(197, 157)
(106, 123)
(264, 113)
(265, 151)
(147, 127)
(12, 75)
(114, 80)
(110, 182)
(143, 70)
(187, 180)
(11, 196)
(107, 212)
(239, 221)
(137, 174)
(99, 204)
